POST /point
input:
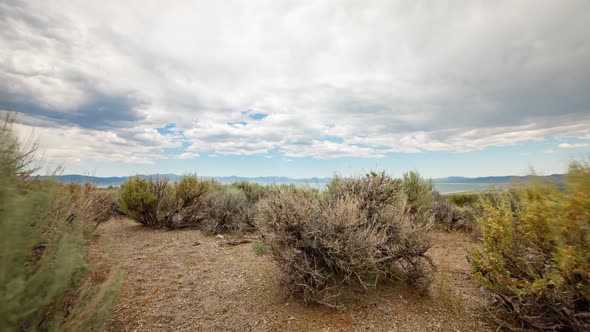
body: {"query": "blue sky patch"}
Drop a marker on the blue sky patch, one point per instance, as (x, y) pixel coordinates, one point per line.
(236, 123)
(334, 139)
(167, 129)
(257, 116)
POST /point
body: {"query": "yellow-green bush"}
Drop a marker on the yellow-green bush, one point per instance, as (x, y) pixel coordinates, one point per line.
(253, 191)
(189, 202)
(190, 190)
(420, 194)
(44, 282)
(463, 199)
(534, 259)
(190, 199)
(149, 201)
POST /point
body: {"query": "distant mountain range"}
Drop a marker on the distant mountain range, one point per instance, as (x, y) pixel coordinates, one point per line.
(117, 180)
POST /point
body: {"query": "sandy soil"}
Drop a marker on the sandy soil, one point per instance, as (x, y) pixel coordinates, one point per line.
(183, 280)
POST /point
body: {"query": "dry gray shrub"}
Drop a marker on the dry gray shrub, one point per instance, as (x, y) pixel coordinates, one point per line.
(226, 210)
(84, 201)
(444, 212)
(451, 217)
(346, 240)
(375, 191)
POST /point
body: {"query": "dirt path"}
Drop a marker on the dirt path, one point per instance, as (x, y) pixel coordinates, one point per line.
(183, 280)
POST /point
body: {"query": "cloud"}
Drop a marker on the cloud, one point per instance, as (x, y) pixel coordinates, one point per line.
(329, 150)
(52, 71)
(69, 144)
(254, 78)
(549, 151)
(187, 155)
(573, 145)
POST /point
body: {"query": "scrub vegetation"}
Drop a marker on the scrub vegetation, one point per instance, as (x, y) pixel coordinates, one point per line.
(534, 256)
(359, 233)
(45, 231)
(528, 246)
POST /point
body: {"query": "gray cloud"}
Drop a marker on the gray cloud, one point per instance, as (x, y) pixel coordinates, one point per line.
(381, 77)
(98, 111)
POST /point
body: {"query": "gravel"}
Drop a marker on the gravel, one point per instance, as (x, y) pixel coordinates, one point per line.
(183, 280)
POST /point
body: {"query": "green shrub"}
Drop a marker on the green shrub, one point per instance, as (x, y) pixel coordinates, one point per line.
(304, 190)
(420, 195)
(44, 282)
(253, 191)
(463, 199)
(534, 259)
(227, 210)
(190, 190)
(190, 198)
(150, 201)
(361, 233)
(190, 202)
(259, 249)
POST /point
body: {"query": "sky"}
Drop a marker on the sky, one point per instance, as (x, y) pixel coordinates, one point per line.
(299, 88)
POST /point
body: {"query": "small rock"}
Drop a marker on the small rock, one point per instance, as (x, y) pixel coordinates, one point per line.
(219, 236)
(196, 243)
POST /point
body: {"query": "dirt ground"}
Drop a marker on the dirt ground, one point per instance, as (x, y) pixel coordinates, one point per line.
(183, 280)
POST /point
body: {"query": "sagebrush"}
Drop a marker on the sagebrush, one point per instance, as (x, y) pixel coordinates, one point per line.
(362, 232)
(450, 217)
(149, 201)
(191, 201)
(420, 194)
(45, 229)
(227, 211)
(534, 258)
(191, 195)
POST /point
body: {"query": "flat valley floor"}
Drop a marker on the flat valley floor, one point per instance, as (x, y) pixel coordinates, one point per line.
(183, 280)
